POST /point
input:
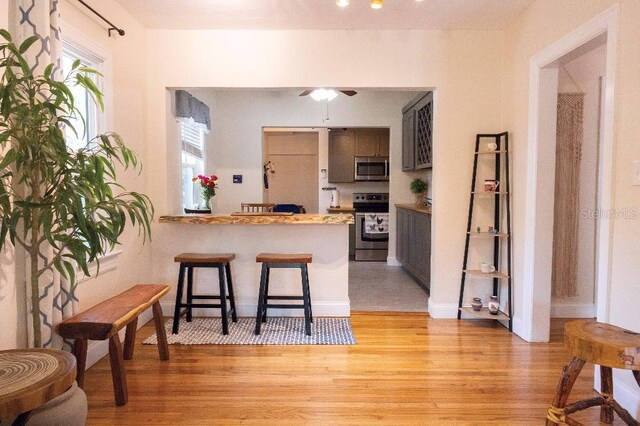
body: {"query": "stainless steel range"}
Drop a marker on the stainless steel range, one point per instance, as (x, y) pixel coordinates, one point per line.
(372, 226)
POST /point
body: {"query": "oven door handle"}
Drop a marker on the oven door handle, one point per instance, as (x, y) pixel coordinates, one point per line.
(386, 169)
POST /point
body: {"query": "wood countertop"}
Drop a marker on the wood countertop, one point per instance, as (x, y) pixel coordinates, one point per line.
(349, 209)
(423, 210)
(225, 219)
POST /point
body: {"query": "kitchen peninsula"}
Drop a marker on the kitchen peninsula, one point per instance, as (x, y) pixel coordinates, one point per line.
(326, 236)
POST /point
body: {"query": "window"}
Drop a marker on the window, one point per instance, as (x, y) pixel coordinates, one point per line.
(193, 159)
(92, 122)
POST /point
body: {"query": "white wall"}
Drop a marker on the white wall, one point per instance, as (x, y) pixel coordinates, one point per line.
(539, 26)
(464, 67)
(583, 75)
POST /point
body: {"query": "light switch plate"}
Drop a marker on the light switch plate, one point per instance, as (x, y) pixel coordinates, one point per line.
(237, 178)
(636, 173)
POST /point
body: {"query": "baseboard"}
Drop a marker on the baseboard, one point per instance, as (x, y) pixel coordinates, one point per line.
(97, 349)
(584, 310)
(392, 261)
(442, 310)
(625, 390)
(248, 309)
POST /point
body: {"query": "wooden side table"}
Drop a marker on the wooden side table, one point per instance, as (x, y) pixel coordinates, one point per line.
(30, 378)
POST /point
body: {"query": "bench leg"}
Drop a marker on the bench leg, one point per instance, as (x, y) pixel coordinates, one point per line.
(130, 339)
(163, 346)
(117, 370)
(569, 375)
(80, 351)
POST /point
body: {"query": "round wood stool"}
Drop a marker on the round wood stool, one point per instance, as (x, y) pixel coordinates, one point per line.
(284, 260)
(603, 344)
(221, 261)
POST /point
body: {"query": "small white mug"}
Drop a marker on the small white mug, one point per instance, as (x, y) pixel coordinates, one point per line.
(487, 268)
(492, 146)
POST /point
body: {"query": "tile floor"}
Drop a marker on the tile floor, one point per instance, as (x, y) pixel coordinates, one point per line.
(375, 286)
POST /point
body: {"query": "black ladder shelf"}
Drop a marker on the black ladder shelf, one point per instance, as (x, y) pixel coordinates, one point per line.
(501, 201)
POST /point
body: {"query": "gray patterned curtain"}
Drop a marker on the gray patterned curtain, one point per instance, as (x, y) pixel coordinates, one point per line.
(564, 277)
(42, 18)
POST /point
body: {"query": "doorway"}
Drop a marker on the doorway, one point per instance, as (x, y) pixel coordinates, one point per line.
(541, 162)
(291, 168)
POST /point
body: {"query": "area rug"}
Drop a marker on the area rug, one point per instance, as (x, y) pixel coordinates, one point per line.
(276, 331)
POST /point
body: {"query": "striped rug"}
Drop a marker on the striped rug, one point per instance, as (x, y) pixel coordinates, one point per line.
(276, 331)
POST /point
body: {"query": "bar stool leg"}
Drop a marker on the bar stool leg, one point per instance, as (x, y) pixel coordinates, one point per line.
(261, 298)
(266, 293)
(306, 274)
(223, 301)
(189, 292)
(606, 390)
(176, 312)
(232, 299)
(569, 375)
(307, 301)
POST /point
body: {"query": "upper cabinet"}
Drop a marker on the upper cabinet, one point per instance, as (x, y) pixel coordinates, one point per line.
(342, 145)
(417, 133)
(372, 143)
(346, 144)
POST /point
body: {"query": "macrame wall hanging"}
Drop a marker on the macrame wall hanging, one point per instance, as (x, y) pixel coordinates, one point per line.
(565, 226)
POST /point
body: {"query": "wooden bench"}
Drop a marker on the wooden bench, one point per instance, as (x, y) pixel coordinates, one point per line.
(104, 320)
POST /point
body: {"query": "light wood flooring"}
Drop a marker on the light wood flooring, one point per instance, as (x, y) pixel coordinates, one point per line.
(406, 369)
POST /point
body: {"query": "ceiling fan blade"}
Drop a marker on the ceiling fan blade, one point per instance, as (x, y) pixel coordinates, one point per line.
(349, 92)
(305, 93)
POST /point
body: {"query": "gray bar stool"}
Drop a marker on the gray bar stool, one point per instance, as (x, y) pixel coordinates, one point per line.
(220, 261)
(284, 260)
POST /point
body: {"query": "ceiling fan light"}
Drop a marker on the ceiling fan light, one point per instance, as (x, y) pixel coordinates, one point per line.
(323, 94)
(376, 4)
(342, 3)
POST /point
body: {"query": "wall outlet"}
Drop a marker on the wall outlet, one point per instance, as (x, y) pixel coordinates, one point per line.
(636, 173)
(237, 178)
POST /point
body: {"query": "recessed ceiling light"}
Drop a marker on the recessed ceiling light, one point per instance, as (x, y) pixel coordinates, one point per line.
(342, 3)
(376, 4)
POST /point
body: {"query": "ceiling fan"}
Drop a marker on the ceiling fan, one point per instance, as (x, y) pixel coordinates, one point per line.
(326, 94)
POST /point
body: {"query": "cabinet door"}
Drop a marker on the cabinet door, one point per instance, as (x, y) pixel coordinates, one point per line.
(423, 249)
(341, 156)
(401, 234)
(408, 133)
(383, 143)
(367, 143)
(423, 145)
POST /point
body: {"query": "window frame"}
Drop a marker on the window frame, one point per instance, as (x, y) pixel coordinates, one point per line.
(203, 132)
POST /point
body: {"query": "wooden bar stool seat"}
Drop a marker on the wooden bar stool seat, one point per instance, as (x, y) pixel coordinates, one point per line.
(609, 347)
(220, 261)
(284, 260)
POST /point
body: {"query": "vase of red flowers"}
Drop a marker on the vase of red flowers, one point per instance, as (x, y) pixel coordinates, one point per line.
(208, 185)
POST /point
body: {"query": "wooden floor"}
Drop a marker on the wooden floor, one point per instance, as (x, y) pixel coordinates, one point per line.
(406, 369)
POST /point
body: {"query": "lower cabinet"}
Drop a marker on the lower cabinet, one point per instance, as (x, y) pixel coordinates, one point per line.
(413, 248)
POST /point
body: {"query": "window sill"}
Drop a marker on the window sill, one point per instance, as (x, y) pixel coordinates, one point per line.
(108, 262)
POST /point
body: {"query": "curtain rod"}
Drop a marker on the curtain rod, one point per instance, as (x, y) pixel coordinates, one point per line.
(112, 28)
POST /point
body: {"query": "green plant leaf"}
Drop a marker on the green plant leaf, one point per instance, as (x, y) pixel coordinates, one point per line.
(27, 43)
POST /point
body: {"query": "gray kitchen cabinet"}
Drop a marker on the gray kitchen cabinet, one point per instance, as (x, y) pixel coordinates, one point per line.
(413, 248)
(417, 133)
(372, 143)
(341, 156)
(346, 144)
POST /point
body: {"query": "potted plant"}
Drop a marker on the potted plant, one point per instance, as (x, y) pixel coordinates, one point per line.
(418, 187)
(50, 194)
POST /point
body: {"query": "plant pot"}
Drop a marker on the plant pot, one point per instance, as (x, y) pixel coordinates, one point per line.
(420, 199)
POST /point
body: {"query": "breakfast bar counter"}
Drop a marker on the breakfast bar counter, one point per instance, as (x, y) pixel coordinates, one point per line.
(325, 236)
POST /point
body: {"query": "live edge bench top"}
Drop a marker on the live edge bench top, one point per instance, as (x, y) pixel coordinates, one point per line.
(105, 319)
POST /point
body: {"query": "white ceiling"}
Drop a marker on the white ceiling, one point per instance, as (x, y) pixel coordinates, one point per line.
(325, 15)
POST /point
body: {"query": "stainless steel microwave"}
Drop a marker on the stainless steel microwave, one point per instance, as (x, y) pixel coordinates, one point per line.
(372, 168)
